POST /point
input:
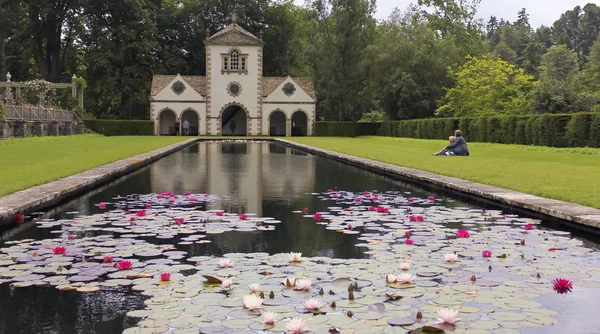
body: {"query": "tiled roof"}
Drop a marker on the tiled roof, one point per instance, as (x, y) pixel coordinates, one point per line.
(269, 84)
(159, 82)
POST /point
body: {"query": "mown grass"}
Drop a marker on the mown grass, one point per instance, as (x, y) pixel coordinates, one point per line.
(568, 174)
(29, 162)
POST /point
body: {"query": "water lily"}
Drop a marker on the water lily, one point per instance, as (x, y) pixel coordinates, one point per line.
(462, 234)
(225, 263)
(295, 257)
(252, 302)
(192, 199)
(297, 326)
(382, 209)
(317, 217)
(431, 198)
(329, 190)
(165, 277)
(244, 216)
(220, 213)
(303, 284)
(108, 259)
(358, 199)
(389, 278)
(562, 285)
(59, 250)
(409, 242)
(171, 201)
(451, 257)
(71, 237)
(132, 219)
(179, 221)
(254, 287)
(20, 218)
(148, 206)
(405, 266)
(405, 278)
(411, 200)
(375, 198)
(335, 196)
(226, 284)
(373, 208)
(408, 234)
(269, 318)
(290, 282)
(529, 227)
(187, 193)
(305, 211)
(141, 213)
(102, 205)
(313, 304)
(124, 265)
(447, 316)
(487, 253)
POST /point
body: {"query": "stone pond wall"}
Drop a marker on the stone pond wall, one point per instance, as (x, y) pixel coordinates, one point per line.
(21, 129)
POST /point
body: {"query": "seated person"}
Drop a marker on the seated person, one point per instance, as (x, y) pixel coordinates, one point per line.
(445, 151)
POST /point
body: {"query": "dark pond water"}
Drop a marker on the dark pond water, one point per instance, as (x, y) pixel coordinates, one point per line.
(262, 178)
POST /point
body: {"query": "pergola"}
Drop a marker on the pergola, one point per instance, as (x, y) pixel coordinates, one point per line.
(77, 93)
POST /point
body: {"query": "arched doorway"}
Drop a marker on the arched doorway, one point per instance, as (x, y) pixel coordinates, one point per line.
(191, 116)
(166, 122)
(299, 123)
(233, 121)
(277, 122)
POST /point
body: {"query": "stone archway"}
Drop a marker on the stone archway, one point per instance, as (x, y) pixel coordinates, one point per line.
(299, 123)
(277, 122)
(166, 122)
(192, 117)
(234, 121)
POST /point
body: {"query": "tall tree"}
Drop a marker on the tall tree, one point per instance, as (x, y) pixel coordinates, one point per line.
(345, 29)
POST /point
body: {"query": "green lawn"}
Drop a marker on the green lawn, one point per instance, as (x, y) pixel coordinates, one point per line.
(28, 162)
(571, 175)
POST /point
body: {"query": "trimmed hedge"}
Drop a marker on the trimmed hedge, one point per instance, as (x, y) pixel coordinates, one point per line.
(554, 130)
(346, 129)
(110, 127)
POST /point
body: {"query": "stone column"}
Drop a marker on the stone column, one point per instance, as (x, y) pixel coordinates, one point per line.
(5, 130)
(68, 129)
(79, 128)
(20, 129)
(53, 129)
(39, 129)
(288, 127)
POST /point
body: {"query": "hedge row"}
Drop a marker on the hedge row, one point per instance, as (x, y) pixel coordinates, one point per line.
(568, 130)
(121, 127)
(346, 129)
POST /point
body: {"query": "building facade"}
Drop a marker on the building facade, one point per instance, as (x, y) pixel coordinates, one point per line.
(234, 98)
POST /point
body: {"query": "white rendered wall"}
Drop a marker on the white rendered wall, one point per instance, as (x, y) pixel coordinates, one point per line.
(179, 108)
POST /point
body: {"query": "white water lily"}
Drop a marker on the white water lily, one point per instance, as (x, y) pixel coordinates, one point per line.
(297, 326)
(290, 282)
(451, 257)
(405, 266)
(254, 287)
(447, 316)
(252, 302)
(313, 304)
(226, 284)
(295, 257)
(405, 278)
(225, 263)
(391, 278)
(303, 284)
(269, 318)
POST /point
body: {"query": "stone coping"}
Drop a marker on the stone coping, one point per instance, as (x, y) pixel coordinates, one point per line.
(572, 212)
(49, 194)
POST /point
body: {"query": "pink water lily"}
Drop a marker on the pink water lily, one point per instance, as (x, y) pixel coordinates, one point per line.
(408, 234)
(244, 216)
(225, 263)
(313, 304)
(295, 257)
(226, 284)
(71, 237)
(447, 316)
(405, 266)
(252, 302)
(529, 227)
(462, 234)
(382, 210)
(165, 277)
(390, 278)
(317, 217)
(59, 250)
(171, 201)
(124, 265)
(254, 287)
(487, 253)
(19, 218)
(411, 200)
(405, 278)
(358, 199)
(148, 206)
(192, 199)
(297, 326)
(409, 242)
(329, 190)
(431, 198)
(187, 193)
(108, 259)
(141, 213)
(269, 318)
(303, 284)
(335, 195)
(102, 205)
(220, 213)
(562, 286)
(179, 221)
(373, 208)
(375, 199)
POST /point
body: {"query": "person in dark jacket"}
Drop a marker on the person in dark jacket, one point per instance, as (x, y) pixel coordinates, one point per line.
(459, 147)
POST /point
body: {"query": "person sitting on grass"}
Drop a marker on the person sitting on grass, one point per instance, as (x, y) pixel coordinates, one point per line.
(445, 151)
(459, 147)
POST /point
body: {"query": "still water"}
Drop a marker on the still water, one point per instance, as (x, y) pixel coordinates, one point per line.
(266, 179)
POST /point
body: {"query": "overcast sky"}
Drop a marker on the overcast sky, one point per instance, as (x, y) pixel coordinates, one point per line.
(540, 11)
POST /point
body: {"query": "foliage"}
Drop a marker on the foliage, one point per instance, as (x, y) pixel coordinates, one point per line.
(487, 86)
(374, 116)
(345, 129)
(53, 158)
(41, 89)
(561, 130)
(121, 127)
(561, 173)
(2, 111)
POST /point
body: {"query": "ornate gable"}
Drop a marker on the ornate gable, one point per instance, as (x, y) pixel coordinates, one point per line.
(233, 35)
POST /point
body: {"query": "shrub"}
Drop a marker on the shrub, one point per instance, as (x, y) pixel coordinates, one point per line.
(594, 140)
(577, 130)
(346, 129)
(121, 127)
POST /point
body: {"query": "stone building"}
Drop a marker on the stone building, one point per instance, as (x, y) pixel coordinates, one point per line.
(234, 98)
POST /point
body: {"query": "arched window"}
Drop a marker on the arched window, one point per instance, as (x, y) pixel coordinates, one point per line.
(235, 61)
